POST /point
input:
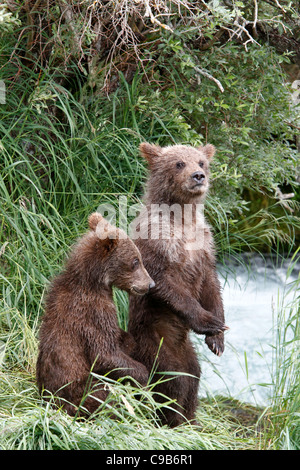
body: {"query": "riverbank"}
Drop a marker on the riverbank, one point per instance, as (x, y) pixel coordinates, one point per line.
(255, 289)
(225, 422)
(27, 424)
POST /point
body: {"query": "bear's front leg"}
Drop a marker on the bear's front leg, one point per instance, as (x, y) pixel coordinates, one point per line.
(179, 299)
(120, 365)
(211, 299)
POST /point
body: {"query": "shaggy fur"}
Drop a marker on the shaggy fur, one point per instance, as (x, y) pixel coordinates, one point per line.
(187, 291)
(80, 331)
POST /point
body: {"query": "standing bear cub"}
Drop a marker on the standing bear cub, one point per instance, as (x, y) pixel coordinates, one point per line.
(177, 248)
(80, 331)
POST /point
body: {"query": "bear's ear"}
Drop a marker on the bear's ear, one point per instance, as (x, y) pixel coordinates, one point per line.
(209, 150)
(150, 151)
(94, 219)
(105, 230)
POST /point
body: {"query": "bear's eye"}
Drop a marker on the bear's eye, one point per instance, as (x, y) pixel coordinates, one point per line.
(201, 164)
(135, 264)
(180, 165)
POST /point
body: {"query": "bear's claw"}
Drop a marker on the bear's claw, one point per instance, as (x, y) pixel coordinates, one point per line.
(215, 344)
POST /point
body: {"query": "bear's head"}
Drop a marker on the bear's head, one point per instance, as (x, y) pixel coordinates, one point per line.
(120, 259)
(178, 173)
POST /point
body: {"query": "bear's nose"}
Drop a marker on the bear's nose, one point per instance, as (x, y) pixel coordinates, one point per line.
(198, 176)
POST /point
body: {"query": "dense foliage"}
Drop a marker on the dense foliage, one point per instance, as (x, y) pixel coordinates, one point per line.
(97, 78)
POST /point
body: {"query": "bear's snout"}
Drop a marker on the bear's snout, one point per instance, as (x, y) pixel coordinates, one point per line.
(198, 177)
(141, 289)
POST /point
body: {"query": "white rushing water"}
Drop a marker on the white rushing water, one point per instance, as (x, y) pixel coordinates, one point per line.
(251, 298)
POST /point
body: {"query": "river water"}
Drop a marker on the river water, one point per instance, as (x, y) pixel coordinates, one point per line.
(252, 294)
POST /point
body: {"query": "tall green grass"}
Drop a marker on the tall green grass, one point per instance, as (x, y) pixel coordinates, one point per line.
(28, 423)
(285, 403)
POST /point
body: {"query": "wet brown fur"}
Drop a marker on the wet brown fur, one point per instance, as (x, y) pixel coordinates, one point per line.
(187, 291)
(80, 331)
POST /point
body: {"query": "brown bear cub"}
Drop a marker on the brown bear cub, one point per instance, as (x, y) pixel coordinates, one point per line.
(80, 331)
(178, 253)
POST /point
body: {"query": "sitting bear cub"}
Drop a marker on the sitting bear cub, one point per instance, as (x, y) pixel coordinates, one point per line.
(80, 331)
